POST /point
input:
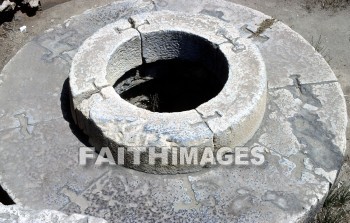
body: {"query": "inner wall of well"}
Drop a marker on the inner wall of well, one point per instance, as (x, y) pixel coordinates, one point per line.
(180, 71)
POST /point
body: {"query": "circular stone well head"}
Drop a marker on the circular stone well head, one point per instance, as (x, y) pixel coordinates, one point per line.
(167, 79)
(187, 70)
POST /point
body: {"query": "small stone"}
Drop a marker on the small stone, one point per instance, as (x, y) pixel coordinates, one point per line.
(23, 29)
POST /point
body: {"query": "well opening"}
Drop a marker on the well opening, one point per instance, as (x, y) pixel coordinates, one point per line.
(187, 72)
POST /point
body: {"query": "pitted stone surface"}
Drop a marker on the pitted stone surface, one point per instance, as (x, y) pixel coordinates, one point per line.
(17, 214)
(239, 106)
(305, 110)
(229, 119)
(115, 46)
(282, 48)
(161, 31)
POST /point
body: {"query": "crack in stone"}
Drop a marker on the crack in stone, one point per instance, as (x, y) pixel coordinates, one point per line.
(310, 131)
(133, 25)
(87, 95)
(96, 87)
(216, 115)
(304, 92)
(24, 126)
(287, 87)
(296, 81)
(274, 151)
(31, 125)
(205, 122)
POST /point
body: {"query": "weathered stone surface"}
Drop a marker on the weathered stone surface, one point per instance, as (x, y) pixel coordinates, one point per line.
(166, 35)
(45, 183)
(236, 113)
(103, 58)
(285, 52)
(117, 123)
(286, 47)
(230, 119)
(303, 133)
(17, 214)
(43, 87)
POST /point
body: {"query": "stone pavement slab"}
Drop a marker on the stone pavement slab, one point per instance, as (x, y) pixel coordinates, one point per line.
(303, 133)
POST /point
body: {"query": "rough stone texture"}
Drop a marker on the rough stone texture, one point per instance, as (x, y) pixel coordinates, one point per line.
(305, 112)
(236, 113)
(229, 119)
(123, 124)
(28, 110)
(279, 45)
(42, 106)
(115, 46)
(162, 33)
(17, 214)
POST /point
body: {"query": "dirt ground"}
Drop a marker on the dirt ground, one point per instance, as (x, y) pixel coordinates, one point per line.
(331, 26)
(54, 12)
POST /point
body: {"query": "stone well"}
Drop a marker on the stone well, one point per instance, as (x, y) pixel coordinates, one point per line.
(270, 89)
(228, 117)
